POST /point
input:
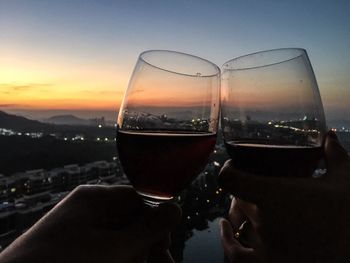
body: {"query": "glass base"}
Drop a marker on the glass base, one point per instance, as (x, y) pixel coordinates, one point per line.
(154, 200)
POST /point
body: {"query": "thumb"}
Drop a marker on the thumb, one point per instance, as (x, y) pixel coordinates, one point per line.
(226, 234)
(335, 154)
(233, 249)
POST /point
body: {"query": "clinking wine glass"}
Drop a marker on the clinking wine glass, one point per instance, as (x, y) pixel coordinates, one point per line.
(167, 122)
(272, 115)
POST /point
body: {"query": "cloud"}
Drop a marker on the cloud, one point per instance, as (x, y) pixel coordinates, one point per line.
(103, 92)
(22, 87)
(111, 92)
(8, 105)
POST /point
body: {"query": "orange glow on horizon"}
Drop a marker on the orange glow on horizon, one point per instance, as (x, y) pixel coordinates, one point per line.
(29, 81)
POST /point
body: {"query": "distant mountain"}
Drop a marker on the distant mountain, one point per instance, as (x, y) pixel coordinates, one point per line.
(21, 124)
(18, 123)
(67, 120)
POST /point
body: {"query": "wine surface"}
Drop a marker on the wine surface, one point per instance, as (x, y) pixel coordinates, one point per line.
(274, 160)
(162, 164)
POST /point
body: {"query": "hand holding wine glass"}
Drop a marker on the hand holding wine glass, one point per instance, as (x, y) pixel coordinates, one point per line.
(167, 123)
(291, 219)
(274, 125)
(97, 223)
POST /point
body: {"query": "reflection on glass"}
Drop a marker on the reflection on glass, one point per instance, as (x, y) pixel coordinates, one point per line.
(272, 115)
(167, 123)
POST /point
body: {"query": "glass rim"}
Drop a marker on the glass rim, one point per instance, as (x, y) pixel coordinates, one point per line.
(301, 50)
(217, 69)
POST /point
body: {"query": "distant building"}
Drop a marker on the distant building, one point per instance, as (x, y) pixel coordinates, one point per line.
(37, 182)
(98, 121)
(59, 179)
(74, 179)
(7, 221)
(8, 188)
(103, 170)
(37, 187)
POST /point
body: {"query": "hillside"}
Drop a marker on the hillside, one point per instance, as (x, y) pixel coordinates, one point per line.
(18, 123)
(21, 153)
(21, 124)
(67, 120)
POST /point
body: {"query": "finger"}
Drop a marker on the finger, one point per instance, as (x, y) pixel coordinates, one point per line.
(101, 206)
(100, 191)
(226, 234)
(260, 189)
(335, 154)
(232, 248)
(236, 216)
(243, 218)
(126, 205)
(124, 198)
(250, 210)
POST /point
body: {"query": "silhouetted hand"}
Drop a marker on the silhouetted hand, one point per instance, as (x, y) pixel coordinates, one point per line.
(290, 219)
(98, 224)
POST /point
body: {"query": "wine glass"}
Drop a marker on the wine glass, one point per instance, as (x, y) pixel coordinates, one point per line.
(272, 115)
(167, 122)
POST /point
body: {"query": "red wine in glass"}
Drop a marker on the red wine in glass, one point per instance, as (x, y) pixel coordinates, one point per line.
(163, 164)
(275, 160)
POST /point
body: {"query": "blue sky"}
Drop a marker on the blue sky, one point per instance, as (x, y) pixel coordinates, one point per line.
(109, 35)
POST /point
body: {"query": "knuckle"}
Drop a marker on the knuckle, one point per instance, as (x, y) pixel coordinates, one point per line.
(82, 191)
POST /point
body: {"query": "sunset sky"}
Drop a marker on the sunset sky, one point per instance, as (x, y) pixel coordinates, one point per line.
(77, 56)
